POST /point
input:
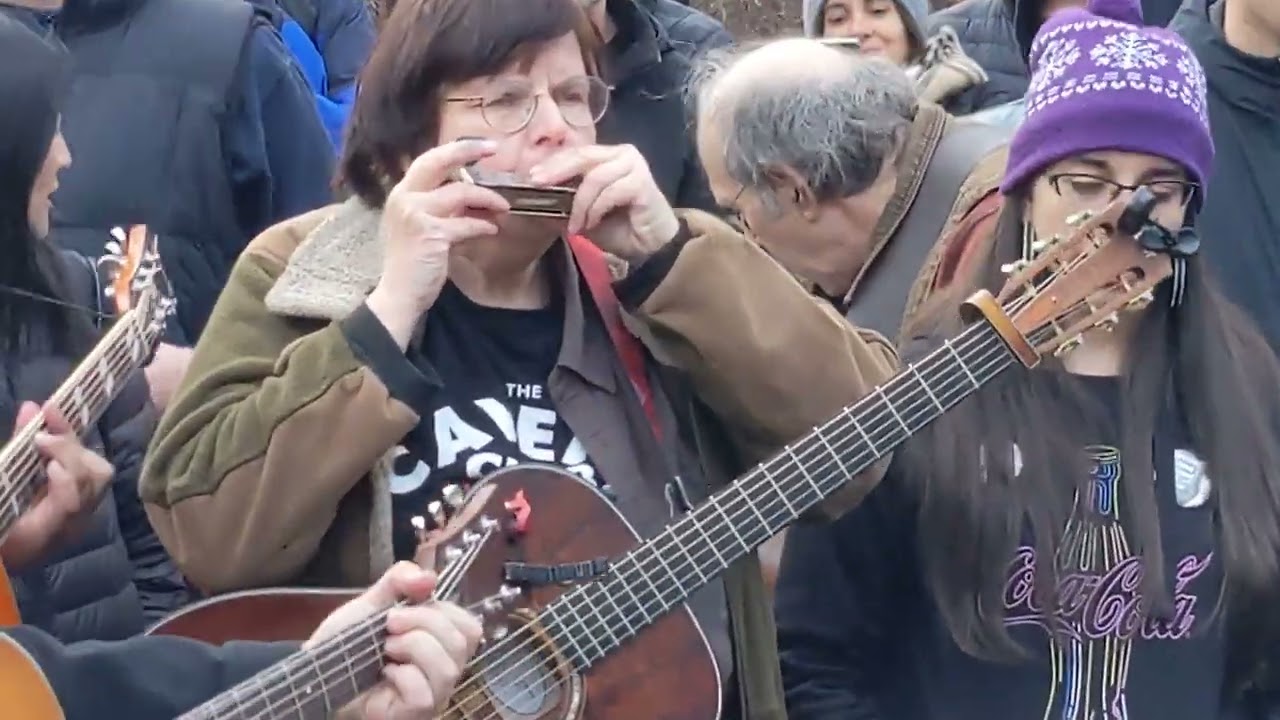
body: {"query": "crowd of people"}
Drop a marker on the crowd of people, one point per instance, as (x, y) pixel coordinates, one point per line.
(763, 231)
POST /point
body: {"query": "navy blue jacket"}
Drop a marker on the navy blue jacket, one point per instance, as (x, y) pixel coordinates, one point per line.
(145, 678)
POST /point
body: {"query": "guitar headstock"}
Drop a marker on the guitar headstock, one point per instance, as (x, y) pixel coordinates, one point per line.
(455, 530)
(1075, 284)
(136, 279)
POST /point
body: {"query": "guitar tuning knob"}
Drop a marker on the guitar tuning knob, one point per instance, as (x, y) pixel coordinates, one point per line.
(470, 537)
(452, 554)
(508, 593)
(487, 523)
(1110, 322)
(1068, 346)
(1079, 218)
(498, 632)
(1014, 267)
(452, 495)
(1039, 246)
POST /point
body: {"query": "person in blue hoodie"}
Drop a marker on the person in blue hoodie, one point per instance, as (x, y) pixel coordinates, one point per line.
(1095, 537)
(330, 40)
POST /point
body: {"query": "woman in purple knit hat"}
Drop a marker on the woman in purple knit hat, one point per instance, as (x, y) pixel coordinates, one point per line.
(1098, 538)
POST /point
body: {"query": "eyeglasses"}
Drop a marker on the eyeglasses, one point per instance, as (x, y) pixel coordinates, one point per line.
(509, 104)
(1092, 188)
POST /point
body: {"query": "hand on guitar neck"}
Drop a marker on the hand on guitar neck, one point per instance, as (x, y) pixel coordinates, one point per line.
(427, 645)
(77, 478)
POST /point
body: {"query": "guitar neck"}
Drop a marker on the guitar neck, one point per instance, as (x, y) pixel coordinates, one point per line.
(81, 399)
(309, 685)
(592, 620)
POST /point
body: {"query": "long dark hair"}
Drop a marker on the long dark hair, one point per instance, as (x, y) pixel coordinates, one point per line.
(33, 75)
(1203, 362)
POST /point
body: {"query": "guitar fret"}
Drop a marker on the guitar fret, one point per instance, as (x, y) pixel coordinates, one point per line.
(848, 412)
(928, 390)
(775, 493)
(893, 410)
(949, 345)
(803, 470)
(778, 489)
(733, 531)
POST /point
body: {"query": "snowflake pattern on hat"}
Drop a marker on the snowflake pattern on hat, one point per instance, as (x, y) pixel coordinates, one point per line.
(1099, 81)
(1117, 60)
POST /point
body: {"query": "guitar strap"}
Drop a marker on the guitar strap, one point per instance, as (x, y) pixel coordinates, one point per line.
(595, 270)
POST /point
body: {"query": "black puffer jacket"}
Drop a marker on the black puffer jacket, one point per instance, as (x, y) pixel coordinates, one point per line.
(997, 34)
(115, 577)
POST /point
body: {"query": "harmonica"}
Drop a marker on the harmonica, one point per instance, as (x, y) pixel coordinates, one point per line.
(530, 200)
(846, 43)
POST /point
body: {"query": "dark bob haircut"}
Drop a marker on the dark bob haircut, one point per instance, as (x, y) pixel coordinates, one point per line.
(426, 45)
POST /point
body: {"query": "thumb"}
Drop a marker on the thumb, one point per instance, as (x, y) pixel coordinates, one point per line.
(404, 581)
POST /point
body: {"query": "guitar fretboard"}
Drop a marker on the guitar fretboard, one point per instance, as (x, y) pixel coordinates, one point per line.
(81, 399)
(592, 620)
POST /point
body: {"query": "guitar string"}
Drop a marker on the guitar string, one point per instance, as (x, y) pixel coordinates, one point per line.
(1035, 286)
(266, 713)
(339, 644)
(95, 384)
(27, 461)
(476, 683)
(831, 452)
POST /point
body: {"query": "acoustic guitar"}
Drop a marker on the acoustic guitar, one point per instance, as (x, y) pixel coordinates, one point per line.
(137, 288)
(311, 684)
(599, 627)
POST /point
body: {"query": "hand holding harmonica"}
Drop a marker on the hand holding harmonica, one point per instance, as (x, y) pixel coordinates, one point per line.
(616, 204)
(424, 216)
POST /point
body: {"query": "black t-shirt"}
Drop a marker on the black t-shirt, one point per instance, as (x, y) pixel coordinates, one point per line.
(493, 408)
(858, 628)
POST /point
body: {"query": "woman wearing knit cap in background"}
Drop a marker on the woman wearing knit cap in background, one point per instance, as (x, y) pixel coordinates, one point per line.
(893, 30)
(1095, 538)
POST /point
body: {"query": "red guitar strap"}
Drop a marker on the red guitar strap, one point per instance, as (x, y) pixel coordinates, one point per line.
(595, 270)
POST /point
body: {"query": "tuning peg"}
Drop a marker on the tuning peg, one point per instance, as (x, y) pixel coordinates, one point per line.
(453, 495)
(499, 632)
(505, 596)
(1068, 346)
(1079, 218)
(452, 554)
(1039, 246)
(419, 524)
(1141, 301)
(487, 523)
(470, 537)
(1014, 267)
(436, 510)
(1110, 322)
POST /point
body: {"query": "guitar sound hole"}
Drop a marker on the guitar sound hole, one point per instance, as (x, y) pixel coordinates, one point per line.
(520, 682)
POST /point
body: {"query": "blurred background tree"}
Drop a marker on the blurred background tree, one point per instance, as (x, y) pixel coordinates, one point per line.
(754, 18)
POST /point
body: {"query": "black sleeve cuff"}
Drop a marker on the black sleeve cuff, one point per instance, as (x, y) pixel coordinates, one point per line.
(645, 277)
(374, 347)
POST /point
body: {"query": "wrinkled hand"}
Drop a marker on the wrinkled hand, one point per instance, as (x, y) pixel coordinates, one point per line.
(77, 478)
(428, 646)
(165, 373)
(424, 216)
(618, 205)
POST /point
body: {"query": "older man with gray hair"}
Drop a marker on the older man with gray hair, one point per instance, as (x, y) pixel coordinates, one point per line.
(839, 171)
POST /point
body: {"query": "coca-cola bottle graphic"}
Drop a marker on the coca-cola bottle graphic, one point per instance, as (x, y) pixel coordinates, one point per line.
(1098, 579)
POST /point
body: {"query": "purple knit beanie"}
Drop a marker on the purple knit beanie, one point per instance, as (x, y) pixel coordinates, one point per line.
(1102, 81)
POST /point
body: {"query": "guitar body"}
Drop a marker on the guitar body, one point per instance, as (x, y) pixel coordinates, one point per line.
(267, 615)
(9, 615)
(667, 672)
(24, 691)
